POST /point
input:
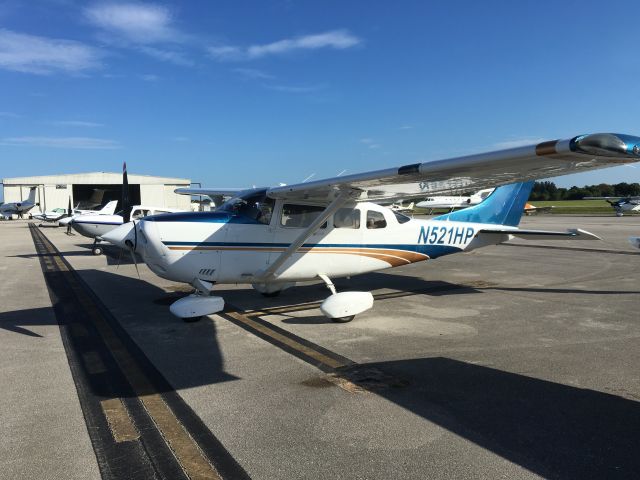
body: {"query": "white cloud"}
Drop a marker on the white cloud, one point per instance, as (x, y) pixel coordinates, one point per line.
(173, 56)
(405, 127)
(41, 55)
(252, 73)
(180, 139)
(295, 88)
(517, 142)
(76, 123)
(139, 23)
(149, 77)
(370, 143)
(61, 142)
(336, 39)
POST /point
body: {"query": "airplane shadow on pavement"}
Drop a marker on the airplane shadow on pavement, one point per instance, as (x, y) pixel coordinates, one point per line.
(554, 430)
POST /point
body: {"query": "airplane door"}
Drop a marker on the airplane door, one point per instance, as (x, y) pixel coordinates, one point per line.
(247, 240)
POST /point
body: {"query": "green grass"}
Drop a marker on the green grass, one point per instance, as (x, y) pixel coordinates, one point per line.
(577, 206)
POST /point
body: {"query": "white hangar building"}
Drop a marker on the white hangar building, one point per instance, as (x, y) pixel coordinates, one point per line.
(89, 190)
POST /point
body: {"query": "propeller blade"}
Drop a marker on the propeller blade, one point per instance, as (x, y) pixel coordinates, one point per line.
(133, 257)
(126, 208)
(120, 258)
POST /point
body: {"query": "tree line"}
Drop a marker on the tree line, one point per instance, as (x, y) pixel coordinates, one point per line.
(549, 191)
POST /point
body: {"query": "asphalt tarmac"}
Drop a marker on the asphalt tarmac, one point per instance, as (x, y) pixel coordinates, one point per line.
(514, 361)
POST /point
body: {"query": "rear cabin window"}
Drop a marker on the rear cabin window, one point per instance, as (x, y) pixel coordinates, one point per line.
(400, 217)
(375, 219)
(300, 216)
(347, 218)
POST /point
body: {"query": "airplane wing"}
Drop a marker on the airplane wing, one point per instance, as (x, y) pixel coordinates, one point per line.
(450, 176)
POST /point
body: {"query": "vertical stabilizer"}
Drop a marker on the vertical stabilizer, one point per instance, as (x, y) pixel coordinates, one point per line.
(503, 207)
(32, 195)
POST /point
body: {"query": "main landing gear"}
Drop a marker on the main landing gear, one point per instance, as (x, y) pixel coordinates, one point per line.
(343, 307)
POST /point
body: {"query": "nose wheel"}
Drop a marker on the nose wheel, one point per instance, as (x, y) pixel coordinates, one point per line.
(97, 250)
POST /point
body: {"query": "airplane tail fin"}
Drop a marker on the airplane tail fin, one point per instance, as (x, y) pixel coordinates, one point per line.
(32, 195)
(109, 208)
(503, 207)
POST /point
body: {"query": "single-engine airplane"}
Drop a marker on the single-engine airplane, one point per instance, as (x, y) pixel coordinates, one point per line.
(620, 204)
(95, 225)
(108, 209)
(325, 229)
(532, 209)
(7, 210)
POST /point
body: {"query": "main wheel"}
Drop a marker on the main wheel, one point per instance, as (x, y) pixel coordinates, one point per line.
(271, 294)
(192, 319)
(343, 319)
(97, 250)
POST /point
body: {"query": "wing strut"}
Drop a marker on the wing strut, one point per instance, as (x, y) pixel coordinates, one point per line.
(340, 200)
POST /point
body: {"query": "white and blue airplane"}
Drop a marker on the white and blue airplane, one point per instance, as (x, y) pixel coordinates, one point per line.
(326, 229)
(452, 203)
(7, 210)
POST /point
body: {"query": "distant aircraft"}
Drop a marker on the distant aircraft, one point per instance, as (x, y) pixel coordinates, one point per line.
(620, 204)
(398, 207)
(19, 208)
(50, 216)
(451, 203)
(97, 224)
(326, 229)
(108, 209)
(635, 241)
(62, 216)
(532, 209)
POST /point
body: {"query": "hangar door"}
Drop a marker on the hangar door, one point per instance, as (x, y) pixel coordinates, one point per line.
(90, 197)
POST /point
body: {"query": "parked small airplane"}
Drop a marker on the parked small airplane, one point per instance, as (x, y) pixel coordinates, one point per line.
(324, 229)
(451, 203)
(96, 225)
(620, 204)
(635, 241)
(108, 209)
(398, 207)
(62, 216)
(532, 209)
(7, 210)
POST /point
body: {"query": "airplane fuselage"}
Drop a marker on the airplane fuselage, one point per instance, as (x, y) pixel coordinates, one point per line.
(218, 247)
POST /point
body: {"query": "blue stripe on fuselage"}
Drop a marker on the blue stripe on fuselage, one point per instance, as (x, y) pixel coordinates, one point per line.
(432, 251)
(201, 217)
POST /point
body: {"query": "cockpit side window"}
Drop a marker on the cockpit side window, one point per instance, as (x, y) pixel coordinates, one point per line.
(256, 206)
(347, 218)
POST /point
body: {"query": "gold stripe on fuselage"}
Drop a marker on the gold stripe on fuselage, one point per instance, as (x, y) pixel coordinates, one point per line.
(394, 257)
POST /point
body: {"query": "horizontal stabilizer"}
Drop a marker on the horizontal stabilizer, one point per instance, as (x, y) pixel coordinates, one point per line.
(571, 234)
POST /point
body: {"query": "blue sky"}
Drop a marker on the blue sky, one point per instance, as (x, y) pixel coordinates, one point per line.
(237, 93)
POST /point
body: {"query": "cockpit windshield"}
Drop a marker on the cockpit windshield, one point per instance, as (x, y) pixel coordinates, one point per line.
(254, 206)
